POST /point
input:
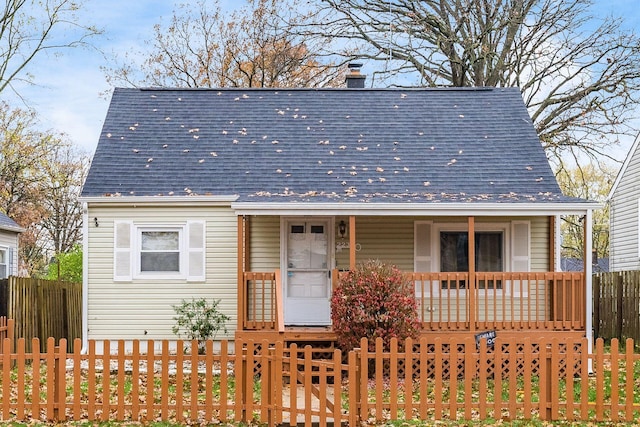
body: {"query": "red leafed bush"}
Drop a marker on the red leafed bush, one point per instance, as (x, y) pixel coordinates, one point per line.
(374, 300)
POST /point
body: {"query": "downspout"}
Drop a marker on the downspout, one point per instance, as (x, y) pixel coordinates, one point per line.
(85, 277)
(558, 243)
(588, 271)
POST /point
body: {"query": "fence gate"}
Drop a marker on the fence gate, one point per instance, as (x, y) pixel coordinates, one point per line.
(312, 389)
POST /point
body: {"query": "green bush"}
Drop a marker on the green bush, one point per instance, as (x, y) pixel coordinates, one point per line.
(199, 320)
(374, 300)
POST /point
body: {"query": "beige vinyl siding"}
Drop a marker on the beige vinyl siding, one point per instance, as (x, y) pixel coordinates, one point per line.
(142, 308)
(624, 215)
(265, 243)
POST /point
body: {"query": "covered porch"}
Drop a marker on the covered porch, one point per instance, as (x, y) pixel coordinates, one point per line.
(511, 303)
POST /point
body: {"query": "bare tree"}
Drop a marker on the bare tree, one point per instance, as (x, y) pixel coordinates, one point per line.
(29, 28)
(203, 47)
(579, 74)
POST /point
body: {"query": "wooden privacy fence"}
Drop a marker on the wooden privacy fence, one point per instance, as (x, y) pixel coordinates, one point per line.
(446, 380)
(44, 308)
(616, 305)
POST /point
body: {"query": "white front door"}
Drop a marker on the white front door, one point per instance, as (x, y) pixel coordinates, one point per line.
(307, 272)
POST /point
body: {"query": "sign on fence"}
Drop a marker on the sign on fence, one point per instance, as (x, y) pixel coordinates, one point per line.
(490, 336)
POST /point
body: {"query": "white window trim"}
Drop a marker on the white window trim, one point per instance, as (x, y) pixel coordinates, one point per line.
(137, 252)
(438, 227)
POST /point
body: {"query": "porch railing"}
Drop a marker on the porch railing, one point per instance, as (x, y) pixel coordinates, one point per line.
(553, 301)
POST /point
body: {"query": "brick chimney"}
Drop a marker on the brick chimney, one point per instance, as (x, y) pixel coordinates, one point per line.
(354, 79)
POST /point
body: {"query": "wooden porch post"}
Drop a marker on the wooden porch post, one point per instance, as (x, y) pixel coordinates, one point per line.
(472, 274)
(352, 242)
(240, 273)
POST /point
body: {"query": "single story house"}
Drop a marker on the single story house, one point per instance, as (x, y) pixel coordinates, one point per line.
(263, 197)
(624, 214)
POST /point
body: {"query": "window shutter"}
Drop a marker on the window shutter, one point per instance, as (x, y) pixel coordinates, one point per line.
(520, 246)
(196, 251)
(11, 269)
(422, 247)
(122, 251)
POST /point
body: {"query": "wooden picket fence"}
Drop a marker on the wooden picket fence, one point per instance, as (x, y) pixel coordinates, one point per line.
(247, 381)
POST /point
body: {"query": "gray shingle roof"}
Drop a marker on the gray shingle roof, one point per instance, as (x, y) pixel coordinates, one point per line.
(7, 223)
(369, 145)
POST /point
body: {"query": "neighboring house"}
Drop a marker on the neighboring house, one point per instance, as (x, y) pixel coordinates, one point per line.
(261, 197)
(9, 232)
(624, 214)
(601, 265)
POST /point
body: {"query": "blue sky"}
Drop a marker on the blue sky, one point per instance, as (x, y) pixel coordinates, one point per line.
(72, 94)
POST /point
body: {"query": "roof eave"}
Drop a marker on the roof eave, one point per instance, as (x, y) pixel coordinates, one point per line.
(398, 209)
(159, 200)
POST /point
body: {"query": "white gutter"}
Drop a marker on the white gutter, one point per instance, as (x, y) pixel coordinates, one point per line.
(85, 278)
(405, 208)
(159, 200)
(558, 243)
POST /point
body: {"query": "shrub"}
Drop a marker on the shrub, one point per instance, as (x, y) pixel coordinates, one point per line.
(374, 300)
(199, 320)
